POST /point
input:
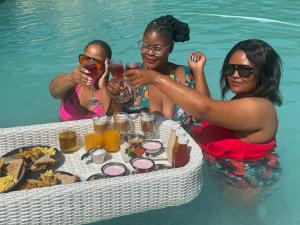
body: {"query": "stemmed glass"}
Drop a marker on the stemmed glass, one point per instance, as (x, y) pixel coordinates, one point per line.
(135, 107)
(117, 72)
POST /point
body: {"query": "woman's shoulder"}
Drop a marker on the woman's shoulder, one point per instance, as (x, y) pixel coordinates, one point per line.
(180, 69)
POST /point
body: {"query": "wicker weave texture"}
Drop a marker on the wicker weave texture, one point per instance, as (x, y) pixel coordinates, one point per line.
(87, 202)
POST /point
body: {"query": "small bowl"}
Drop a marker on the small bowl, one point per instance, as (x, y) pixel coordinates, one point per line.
(162, 167)
(114, 169)
(151, 146)
(133, 139)
(142, 164)
(96, 176)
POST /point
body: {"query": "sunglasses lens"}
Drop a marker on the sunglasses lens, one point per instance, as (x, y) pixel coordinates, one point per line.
(229, 70)
(83, 59)
(244, 71)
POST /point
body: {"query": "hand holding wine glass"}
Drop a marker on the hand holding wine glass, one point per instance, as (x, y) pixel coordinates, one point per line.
(117, 71)
(135, 107)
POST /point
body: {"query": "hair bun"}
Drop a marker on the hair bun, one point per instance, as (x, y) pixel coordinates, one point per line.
(181, 31)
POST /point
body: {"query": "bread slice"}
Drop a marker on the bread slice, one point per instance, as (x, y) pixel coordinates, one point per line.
(14, 167)
(42, 163)
(66, 179)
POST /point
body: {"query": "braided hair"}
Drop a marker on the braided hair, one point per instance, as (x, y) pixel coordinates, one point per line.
(169, 26)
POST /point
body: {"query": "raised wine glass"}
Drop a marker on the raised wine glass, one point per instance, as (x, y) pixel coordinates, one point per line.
(117, 72)
(135, 107)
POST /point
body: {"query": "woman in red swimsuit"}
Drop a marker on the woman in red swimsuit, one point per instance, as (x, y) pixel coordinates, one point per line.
(237, 136)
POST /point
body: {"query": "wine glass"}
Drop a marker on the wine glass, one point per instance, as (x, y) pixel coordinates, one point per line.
(135, 107)
(117, 72)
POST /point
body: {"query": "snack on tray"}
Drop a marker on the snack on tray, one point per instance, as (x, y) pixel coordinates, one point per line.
(49, 178)
(42, 163)
(14, 167)
(31, 183)
(66, 179)
(11, 169)
(7, 182)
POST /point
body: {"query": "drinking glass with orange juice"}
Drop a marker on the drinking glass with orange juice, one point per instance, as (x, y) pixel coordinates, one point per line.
(93, 140)
(112, 139)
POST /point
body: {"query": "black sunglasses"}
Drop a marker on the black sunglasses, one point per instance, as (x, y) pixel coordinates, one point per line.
(243, 70)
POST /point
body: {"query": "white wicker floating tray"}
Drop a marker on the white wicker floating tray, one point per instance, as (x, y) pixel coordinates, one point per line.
(91, 201)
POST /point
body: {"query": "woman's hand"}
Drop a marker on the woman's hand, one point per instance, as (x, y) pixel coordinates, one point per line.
(114, 88)
(80, 76)
(139, 77)
(197, 61)
(102, 80)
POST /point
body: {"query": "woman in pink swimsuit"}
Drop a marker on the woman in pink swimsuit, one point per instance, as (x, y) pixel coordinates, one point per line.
(83, 91)
(237, 136)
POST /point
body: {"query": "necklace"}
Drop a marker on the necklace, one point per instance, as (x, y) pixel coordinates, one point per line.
(93, 100)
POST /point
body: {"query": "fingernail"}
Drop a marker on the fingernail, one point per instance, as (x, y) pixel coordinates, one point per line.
(90, 79)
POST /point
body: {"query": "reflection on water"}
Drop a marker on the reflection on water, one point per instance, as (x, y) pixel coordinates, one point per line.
(40, 39)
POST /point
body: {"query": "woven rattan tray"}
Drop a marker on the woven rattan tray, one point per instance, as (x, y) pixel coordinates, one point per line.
(91, 201)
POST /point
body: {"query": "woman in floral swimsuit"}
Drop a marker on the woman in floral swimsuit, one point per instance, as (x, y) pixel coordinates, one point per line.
(155, 47)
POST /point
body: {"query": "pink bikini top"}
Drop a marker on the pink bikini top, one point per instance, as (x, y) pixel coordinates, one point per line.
(222, 143)
(69, 108)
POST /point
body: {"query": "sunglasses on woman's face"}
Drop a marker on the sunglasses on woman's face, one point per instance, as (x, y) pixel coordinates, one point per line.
(83, 59)
(243, 70)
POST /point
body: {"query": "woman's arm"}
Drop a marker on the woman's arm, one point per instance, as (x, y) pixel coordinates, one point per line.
(61, 84)
(247, 114)
(196, 63)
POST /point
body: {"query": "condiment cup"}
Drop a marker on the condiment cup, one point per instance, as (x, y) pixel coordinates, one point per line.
(142, 164)
(152, 146)
(96, 155)
(114, 169)
(133, 139)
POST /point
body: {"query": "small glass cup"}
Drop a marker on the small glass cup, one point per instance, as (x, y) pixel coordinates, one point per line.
(92, 140)
(100, 123)
(148, 126)
(122, 122)
(112, 140)
(68, 141)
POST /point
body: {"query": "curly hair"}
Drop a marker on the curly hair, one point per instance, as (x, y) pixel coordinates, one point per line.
(267, 69)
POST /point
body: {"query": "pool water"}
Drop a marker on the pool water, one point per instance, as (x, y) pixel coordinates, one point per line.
(40, 39)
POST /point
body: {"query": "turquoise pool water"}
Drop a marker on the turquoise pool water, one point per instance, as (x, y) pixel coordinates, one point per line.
(39, 39)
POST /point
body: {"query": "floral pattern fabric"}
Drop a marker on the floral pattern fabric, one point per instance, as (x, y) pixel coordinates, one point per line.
(179, 114)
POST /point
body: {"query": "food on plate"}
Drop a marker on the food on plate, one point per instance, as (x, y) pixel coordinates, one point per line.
(14, 167)
(66, 179)
(134, 152)
(7, 182)
(36, 158)
(42, 163)
(49, 178)
(10, 170)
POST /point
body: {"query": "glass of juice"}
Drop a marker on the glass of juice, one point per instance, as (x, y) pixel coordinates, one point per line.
(92, 140)
(112, 140)
(68, 141)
